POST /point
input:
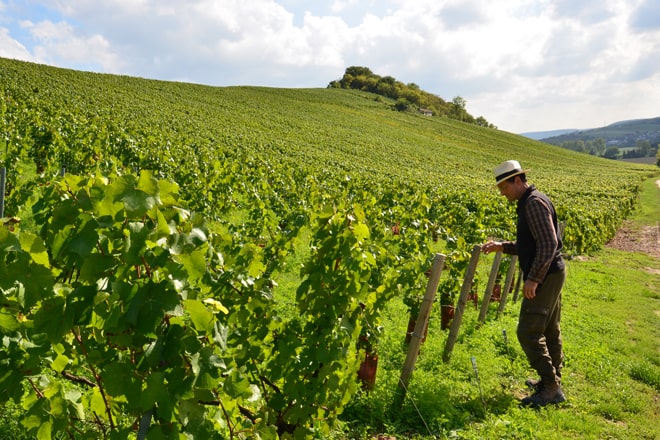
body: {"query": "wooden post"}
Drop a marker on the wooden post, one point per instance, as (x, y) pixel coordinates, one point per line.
(518, 283)
(3, 178)
(462, 301)
(421, 324)
(507, 284)
(489, 287)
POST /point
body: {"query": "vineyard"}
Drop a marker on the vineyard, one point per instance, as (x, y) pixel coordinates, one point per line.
(184, 261)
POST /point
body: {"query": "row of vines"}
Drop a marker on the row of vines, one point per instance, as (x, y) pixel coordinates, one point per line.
(139, 291)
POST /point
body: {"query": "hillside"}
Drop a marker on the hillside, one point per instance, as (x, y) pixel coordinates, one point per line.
(63, 118)
(619, 134)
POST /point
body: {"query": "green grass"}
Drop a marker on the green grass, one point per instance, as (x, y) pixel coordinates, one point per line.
(648, 211)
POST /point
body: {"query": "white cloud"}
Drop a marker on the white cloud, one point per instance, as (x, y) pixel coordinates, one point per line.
(57, 43)
(523, 64)
(10, 48)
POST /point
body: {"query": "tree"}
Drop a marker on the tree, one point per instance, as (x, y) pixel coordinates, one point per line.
(458, 110)
(611, 153)
(362, 78)
(402, 105)
(599, 146)
(481, 121)
(358, 71)
(459, 102)
(644, 147)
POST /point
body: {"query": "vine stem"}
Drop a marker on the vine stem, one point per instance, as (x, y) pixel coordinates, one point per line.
(97, 378)
(36, 390)
(224, 411)
(146, 266)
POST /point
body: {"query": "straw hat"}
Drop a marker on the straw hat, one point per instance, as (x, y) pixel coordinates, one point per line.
(506, 170)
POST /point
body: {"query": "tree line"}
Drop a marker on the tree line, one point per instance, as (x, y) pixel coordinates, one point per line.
(599, 147)
(408, 97)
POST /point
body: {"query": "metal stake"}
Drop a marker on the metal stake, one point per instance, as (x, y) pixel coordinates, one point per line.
(476, 374)
(506, 344)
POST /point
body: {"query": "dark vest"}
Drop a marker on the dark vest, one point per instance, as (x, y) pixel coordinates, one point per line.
(525, 243)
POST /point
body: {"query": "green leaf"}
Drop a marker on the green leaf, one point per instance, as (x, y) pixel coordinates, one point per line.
(361, 231)
(44, 432)
(30, 422)
(8, 322)
(79, 304)
(35, 247)
(155, 390)
(169, 192)
(237, 386)
(147, 183)
(150, 304)
(96, 404)
(201, 318)
(136, 202)
(84, 241)
(64, 216)
(27, 281)
(163, 227)
(135, 243)
(105, 202)
(96, 267)
(52, 319)
(58, 406)
(194, 264)
(73, 397)
(119, 380)
(60, 363)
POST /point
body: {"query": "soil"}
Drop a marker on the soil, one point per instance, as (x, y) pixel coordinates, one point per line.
(646, 239)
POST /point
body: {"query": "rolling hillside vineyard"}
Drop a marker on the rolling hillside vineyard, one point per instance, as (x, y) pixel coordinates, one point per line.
(148, 224)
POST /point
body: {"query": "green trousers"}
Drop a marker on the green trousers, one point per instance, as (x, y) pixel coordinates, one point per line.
(539, 330)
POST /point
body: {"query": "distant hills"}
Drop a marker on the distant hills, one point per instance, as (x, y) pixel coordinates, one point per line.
(622, 134)
(538, 135)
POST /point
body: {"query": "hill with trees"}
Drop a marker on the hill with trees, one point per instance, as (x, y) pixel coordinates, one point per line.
(635, 138)
(408, 97)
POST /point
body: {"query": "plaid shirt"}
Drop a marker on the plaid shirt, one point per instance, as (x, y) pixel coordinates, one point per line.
(539, 219)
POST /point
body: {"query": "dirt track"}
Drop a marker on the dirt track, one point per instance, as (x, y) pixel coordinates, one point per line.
(646, 239)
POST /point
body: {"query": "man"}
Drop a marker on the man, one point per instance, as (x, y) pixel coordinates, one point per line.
(538, 246)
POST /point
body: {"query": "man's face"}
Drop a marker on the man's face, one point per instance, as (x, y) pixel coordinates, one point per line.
(509, 189)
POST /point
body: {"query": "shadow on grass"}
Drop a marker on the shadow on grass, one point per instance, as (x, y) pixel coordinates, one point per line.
(444, 415)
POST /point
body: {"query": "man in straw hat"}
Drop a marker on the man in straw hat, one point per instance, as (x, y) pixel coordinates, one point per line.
(538, 246)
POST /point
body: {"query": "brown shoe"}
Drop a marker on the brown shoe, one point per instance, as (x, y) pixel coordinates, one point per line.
(534, 384)
(545, 395)
(537, 384)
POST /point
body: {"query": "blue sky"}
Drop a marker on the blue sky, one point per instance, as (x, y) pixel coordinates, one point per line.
(525, 65)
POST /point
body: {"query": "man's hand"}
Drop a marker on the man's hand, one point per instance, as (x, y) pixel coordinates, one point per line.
(492, 246)
(529, 289)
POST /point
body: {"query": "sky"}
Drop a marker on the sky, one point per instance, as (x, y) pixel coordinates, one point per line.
(524, 65)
